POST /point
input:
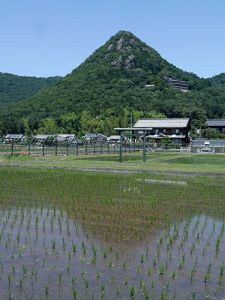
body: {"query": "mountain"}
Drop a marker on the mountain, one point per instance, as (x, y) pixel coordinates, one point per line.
(14, 88)
(124, 75)
(218, 79)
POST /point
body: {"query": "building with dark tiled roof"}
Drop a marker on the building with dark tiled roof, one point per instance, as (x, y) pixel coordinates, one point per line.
(176, 129)
(218, 124)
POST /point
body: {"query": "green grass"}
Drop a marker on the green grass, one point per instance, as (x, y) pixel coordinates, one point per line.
(200, 160)
(178, 162)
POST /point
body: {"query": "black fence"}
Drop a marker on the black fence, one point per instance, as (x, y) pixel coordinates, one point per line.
(58, 149)
(65, 149)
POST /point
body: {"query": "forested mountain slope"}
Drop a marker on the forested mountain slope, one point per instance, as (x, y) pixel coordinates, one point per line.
(124, 75)
(14, 88)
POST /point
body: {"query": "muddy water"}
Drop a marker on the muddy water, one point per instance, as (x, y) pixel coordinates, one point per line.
(46, 254)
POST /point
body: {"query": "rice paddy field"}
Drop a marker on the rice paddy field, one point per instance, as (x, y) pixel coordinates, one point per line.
(66, 234)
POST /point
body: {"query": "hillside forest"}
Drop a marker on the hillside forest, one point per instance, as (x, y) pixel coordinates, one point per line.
(122, 80)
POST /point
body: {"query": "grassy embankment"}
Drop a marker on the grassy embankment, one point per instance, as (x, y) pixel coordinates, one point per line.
(178, 162)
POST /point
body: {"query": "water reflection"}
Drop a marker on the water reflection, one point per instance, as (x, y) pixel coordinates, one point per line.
(86, 237)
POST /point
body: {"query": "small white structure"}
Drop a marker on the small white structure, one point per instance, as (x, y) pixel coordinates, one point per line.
(206, 147)
(43, 138)
(95, 138)
(65, 138)
(13, 138)
(113, 139)
(149, 85)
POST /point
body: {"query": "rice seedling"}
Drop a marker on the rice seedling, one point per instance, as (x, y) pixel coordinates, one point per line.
(70, 235)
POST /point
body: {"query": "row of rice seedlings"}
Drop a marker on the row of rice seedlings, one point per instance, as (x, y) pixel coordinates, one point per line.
(66, 223)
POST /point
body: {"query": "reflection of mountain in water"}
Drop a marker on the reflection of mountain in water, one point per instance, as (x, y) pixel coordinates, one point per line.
(110, 235)
(116, 208)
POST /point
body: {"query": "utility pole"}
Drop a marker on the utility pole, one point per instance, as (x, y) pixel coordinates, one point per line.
(131, 120)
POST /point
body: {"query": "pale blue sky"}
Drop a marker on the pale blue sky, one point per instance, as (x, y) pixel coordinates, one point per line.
(52, 37)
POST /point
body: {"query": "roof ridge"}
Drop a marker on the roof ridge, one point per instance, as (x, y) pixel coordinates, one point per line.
(215, 119)
(163, 119)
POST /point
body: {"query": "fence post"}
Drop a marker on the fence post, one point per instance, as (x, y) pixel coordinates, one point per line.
(108, 148)
(12, 146)
(86, 148)
(114, 150)
(94, 148)
(144, 149)
(56, 148)
(67, 148)
(43, 149)
(29, 147)
(101, 147)
(121, 148)
(77, 149)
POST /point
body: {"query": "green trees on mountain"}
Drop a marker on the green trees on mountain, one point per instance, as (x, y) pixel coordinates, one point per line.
(14, 88)
(111, 85)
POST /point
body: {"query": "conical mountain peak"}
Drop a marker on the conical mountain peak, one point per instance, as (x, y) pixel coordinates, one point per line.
(125, 50)
(125, 40)
(116, 75)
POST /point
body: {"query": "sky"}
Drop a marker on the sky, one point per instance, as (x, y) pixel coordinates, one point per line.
(52, 37)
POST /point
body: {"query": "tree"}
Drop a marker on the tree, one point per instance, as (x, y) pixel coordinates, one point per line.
(48, 126)
(90, 124)
(155, 115)
(211, 133)
(27, 127)
(69, 122)
(166, 141)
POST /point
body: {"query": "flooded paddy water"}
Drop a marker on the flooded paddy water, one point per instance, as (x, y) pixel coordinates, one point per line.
(70, 235)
